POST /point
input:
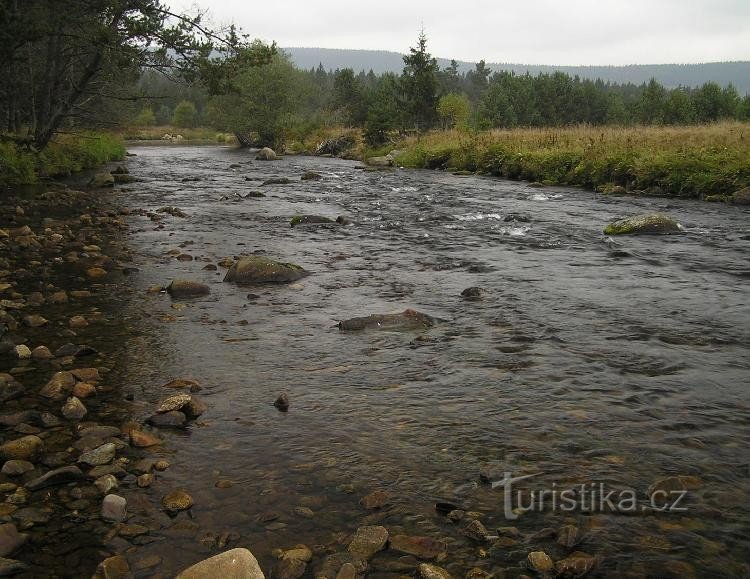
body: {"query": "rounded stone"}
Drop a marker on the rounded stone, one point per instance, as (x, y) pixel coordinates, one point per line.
(177, 500)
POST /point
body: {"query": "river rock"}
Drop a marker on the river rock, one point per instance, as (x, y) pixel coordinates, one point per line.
(41, 353)
(10, 389)
(568, 536)
(35, 321)
(22, 352)
(309, 220)
(406, 320)
(375, 500)
(115, 567)
(59, 386)
(577, 564)
(301, 552)
(258, 269)
(84, 390)
(106, 484)
(96, 272)
(102, 180)
(386, 161)
(74, 409)
(10, 567)
(10, 539)
(182, 288)
(347, 571)
(16, 467)
(741, 197)
(475, 530)
(171, 419)
(333, 564)
(232, 564)
(99, 456)
(114, 509)
(59, 476)
(141, 439)
(276, 181)
(472, 293)
(193, 385)
(430, 571)
(282, 402)
(647, 224)
(177, 500)
(540, 562)
(289, 569)
(669, 484)
(420, 547)
(78, 322)
(311, 176)
(266, 154)
(29, 448)
(174, 402)
(368, 541)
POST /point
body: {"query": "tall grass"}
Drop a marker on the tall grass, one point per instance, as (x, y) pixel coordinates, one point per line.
(691, 161)
(65, 155)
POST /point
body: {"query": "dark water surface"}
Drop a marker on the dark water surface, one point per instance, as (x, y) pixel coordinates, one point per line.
(589, 360)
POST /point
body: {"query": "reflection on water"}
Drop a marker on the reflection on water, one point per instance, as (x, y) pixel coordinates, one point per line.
(589, 359)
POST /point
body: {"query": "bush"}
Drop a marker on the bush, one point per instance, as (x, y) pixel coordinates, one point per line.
(185, 115)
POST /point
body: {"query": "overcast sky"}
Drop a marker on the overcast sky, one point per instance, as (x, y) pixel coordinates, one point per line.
(564, 32)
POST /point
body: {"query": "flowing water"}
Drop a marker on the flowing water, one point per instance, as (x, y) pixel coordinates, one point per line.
(589, 360)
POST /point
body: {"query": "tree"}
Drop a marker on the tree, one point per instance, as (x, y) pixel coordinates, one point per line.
(145, 118)
(453, 110)
(185, 115)
(61, 59)
(347, 97)
(385, 112)
(651, 105)
(678, 108)
(419, 80)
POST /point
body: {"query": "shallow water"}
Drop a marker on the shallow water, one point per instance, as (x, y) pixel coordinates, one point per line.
(589, 360)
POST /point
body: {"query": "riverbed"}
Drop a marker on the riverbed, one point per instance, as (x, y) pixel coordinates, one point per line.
(588, 360)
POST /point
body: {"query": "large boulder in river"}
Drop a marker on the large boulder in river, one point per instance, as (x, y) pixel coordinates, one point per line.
(309, 219)
(266, 154)
(257, 269)
(647, 224)
(406, 320)
(386, 161)
(741, 197)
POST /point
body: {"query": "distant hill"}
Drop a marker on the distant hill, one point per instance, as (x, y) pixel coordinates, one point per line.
(670, 75)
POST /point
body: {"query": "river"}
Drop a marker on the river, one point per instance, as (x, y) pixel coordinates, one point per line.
(589, 360)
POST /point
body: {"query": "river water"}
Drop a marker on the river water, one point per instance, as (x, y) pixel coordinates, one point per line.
(588, 360)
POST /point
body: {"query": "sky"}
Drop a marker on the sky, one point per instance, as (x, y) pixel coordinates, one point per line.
(565, 32)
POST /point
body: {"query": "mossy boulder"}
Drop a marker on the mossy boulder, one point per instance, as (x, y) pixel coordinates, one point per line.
(257, 269)
(647, 224)
(741, 197)
(386, 161)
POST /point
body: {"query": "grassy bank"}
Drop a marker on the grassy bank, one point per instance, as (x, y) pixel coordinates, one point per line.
(156, 133)
(65, 155)
(711, 161)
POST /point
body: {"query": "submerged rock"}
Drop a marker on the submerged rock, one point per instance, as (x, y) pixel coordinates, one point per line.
(102, 180)
(309, 220)
(420, 547)
(406, 320)
(386, 161)
(114, 508)
(276, 181)
(430, 571)
(232, 564)
(311, 176)
(183, 288)
(59, 476)
(577, 564)
(257, 269)
(10, 539)
(540, 562)
(647, 224)
(27, 448)
(177, 500)
(368, 541)
(472, 293)
(282, 402)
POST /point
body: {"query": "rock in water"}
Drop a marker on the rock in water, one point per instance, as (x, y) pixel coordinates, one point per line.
(429, 571)
(257, 269)
(10, 539)
(309, 220)
(232, 564)
(311, 176)
(386, 161)
(102, 180)
(74, 409)
(183, 288)
(420, 547)
(540, 562)
(368, 541)
(472, 293)
(741, 197)
(28, 448)
(266, 154)
(176, 501)
(647, 224)
(114, 509)
(59, 476)
(406, 320)
(282, 402)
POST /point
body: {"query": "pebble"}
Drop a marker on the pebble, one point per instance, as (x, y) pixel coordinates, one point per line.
(74, 409)
(10, 539)
(177, 500)
(101, 455)
(78, 322)
(28, 448)
(141, 439)
(84, 390)
(375, 500)
(58, 476)
(22, 352)
(145, 480)
(475, 530)
(282, 402)
(234, 563)
(421, 547)
(368, 541)
(114, 508)
(113, 568)
(429, 571)
(35, 321)
(41, 353)
(17, 467)
(577, 564)
(540, 562)
(106, 484)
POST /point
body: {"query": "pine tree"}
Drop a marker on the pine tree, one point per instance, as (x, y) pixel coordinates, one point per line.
(419, 81)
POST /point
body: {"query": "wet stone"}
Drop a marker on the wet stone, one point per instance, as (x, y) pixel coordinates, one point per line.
(74, 409)
(114, 508)
(101, 455)
(177, 500)
(540, 562)
(375, 500)
(430, 571)
(22, 352)
(10, 567)
(10, 539)
(420, 547)
(568, 536)
(58, 386)
(282, 402)
(41, 353)
(27, 448)
(476, 531)
(182, 288)
(145, 480)
(59, 476)
(235, 563)
(106, 484)
(16, 467)
(368, 541)
(289, 569)
(113, 568)
(171, 419)
(577, 564)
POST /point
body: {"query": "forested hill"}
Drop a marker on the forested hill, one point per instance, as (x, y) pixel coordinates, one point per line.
(670, 75)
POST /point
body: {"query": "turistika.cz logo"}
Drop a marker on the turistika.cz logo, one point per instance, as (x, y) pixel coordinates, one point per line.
(587, 497)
